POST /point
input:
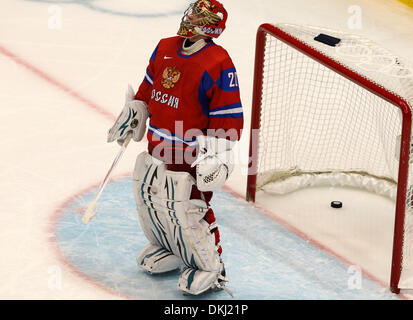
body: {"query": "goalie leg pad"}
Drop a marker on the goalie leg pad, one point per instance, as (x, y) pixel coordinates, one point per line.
(169, 218)
(147, 180)
(192, 234)
(155, 259)
(195, 282)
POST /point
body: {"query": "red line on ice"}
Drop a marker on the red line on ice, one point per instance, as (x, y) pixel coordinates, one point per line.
(48, 78)
(306, 237)
(111, 117)
(51, 230)
(268, 213)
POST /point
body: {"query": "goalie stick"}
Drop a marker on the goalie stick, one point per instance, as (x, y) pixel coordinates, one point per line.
(90, 212)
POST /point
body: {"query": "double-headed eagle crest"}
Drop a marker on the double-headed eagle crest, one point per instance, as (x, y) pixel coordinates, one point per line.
(170, 76)
(207, 16)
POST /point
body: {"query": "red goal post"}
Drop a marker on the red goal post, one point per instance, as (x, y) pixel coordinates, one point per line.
(357, 71)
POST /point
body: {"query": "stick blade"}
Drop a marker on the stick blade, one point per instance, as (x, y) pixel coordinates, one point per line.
(88, 215)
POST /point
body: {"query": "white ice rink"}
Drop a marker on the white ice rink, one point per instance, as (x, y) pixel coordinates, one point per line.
(64, 69)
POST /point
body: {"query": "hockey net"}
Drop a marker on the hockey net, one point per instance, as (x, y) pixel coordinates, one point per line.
(331, 108)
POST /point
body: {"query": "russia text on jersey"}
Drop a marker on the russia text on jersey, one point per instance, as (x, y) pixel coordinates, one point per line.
(165, 98)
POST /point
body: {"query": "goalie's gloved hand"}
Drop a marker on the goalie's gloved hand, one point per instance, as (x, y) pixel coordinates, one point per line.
(214, 162)
(132, 118)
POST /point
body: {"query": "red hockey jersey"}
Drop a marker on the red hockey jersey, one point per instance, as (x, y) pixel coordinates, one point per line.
(188, 95)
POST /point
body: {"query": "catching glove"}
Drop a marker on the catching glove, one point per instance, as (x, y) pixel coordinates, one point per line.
(214, 162)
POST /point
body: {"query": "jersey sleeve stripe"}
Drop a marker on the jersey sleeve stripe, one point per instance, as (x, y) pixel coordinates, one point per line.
(234, 115)
(236, 105)
(229, 111)
(153, 56)
(148, 77)
(170, 137)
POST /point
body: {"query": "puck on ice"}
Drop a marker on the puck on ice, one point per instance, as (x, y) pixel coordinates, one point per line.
(336, 204)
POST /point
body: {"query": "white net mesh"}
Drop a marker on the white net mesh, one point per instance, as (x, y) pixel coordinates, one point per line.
(319, 128)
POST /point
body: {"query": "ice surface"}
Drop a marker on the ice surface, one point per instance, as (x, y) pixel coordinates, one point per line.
(62, 84)
(263, 259)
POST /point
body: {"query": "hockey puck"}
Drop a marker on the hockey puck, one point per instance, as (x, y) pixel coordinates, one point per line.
(336, 204)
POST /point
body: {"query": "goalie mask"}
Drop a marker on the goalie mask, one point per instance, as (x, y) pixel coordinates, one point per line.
(203, 17)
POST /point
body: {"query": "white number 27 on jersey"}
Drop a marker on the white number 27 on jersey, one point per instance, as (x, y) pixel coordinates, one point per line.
(233, 79)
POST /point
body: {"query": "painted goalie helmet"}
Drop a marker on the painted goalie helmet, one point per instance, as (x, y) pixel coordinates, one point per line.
(203, 17)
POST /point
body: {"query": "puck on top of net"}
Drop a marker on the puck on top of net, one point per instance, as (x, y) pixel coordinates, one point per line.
(336, 204)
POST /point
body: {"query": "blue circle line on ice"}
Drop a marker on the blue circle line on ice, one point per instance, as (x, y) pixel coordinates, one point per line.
(95, 6)
(263, 259)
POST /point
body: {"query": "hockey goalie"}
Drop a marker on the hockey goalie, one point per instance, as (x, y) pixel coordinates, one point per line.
(190, 95)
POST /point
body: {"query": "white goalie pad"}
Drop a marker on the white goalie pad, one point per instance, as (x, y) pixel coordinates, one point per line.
(132, 118)
(155, 259)
(195, 282)
(169, 218)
